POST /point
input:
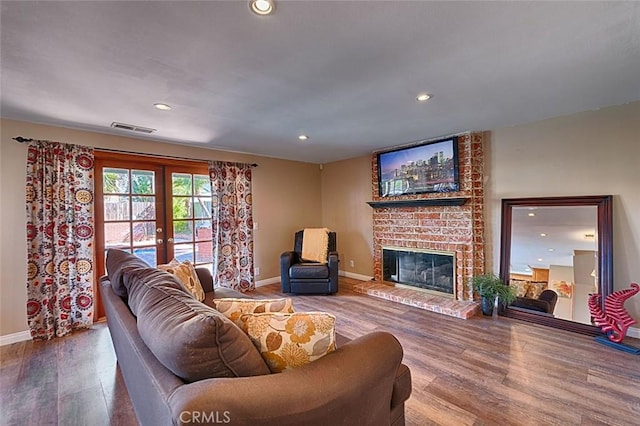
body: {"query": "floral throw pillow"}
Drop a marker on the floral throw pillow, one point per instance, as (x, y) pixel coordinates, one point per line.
(521, 287)
(234, 308)
(187, 275)
(536, 288)
(287, 341)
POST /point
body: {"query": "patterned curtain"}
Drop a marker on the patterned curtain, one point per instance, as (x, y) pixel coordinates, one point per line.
(232, 225)
(60, 229)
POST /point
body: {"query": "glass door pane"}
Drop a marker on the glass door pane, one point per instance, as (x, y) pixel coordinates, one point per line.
(190, 217)
(130, 211)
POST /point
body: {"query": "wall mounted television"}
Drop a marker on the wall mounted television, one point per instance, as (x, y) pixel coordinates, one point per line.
(423, 168)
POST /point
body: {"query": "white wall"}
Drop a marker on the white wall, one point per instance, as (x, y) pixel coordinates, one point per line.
(584, 263)
(591, 153)
(564, 306)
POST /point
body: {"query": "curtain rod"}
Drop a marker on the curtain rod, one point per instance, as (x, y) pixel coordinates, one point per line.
(20, 139)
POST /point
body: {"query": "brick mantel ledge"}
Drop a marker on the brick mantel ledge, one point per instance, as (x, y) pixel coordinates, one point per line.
(459, 201)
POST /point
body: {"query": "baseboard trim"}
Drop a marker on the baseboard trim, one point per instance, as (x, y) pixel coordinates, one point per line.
(267, 281)
(633, 332)
(274, 280)
(20, 336)
(355, 276)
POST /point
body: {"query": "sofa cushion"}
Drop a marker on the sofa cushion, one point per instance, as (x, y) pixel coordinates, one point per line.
(189, 338)
(532, 304)
(117, 261)
(131, 277)
(187, 275)
(288, 341)
(233, 308)
(222, 293)
(309, 270)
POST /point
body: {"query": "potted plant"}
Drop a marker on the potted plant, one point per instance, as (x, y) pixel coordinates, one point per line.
(493, 292)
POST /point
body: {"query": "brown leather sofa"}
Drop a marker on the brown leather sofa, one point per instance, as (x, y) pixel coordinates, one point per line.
(362, 382)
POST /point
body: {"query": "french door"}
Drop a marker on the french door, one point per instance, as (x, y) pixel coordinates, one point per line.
(157, 209)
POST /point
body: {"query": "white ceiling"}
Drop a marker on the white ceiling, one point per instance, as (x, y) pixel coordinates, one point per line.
(565, 228)
(344, 72)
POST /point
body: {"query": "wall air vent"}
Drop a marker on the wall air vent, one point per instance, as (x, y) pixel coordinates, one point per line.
(131, 127)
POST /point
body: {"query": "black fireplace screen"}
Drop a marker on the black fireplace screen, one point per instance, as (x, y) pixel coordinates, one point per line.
(427, 270)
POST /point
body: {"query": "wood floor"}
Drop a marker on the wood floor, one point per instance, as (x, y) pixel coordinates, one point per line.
(479, 371)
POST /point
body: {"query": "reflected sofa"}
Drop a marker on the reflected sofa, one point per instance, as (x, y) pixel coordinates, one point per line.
(545, 303)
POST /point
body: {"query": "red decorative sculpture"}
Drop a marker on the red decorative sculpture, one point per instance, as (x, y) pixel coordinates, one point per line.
(614, 320)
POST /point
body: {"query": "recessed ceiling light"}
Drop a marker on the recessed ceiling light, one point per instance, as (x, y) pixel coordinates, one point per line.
(423, 97)
(162, 107)
(262, 7)
(303, 137)
(531, 214)
(550, 249)
(543, 235)
(539, 259)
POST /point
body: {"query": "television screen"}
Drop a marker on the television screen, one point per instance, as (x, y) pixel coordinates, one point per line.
(428, 167)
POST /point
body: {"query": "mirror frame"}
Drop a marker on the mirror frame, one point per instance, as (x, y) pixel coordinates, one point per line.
(605, 252)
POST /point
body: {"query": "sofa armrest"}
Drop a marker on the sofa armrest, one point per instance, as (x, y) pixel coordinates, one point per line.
(333, 261)
(353, 385)
(206, 279)
(401, 386)
(287, 259)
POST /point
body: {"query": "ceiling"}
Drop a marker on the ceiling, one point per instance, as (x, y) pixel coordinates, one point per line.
(565, 229)
(346, 73)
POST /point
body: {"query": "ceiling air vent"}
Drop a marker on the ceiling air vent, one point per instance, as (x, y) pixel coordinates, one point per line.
(131, 127)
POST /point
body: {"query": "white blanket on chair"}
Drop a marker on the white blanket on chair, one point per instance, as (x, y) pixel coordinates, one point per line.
(315, 244)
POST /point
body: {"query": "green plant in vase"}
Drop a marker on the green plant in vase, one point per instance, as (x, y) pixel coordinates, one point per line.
(493, 292)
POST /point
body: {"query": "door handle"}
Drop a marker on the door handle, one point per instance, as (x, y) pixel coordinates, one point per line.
(170, 240)
(159, 241)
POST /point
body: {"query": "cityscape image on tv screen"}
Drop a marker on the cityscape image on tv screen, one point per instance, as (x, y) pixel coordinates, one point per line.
(424, 168)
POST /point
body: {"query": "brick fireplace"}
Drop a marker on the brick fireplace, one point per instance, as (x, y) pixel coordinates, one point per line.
(443, 222)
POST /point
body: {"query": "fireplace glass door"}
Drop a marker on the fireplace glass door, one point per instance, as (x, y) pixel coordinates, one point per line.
(427, 270)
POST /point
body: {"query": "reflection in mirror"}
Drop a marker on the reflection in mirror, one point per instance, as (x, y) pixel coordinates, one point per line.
(555, 248)
(555, 251)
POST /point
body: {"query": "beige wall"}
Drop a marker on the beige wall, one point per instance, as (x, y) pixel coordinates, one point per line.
(591, 153)
(285, 195)
(346, 188)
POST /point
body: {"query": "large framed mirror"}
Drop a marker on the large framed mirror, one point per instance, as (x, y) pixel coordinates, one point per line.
(555, 251)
